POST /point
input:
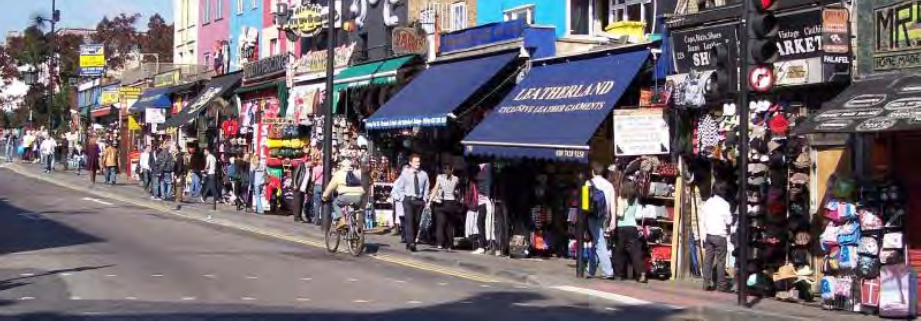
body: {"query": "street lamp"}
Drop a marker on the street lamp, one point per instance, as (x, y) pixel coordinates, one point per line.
(30, 77)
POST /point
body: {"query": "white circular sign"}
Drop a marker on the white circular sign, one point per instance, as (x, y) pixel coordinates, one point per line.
(761, 78)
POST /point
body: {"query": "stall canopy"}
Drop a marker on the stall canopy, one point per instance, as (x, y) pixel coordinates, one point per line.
(158, 97)
(558, 107)
(373, 73)
(886, 103)
(219, 86)
(438, 91)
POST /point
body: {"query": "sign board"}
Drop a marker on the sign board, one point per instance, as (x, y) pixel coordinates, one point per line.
(108, 97)
(306, 20)
(266, 67)
(482, 35)
(691, 48)
(800, 35)
(640, 132)
(129, 92)
(92, 60)
(166, 79)
(315, 61)
(896, 36)
(835, 31)
(409, 41)
(792, 72)
(155, 115)
(761, 78)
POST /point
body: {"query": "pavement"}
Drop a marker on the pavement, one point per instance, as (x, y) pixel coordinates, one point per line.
(229, 232)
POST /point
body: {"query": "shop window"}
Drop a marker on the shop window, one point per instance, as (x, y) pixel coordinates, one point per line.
(523, 12)
(459, 16)
(580, 16)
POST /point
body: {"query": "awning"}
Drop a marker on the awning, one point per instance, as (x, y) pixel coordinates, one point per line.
(887, 103)
(438, 91)
(374, 73)
(158, 97)
(102, 111)
(219, 86)
(557, 108)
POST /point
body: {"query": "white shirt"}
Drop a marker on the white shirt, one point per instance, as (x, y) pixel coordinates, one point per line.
(48, 146)
(717, 216)
(145, 161)
(210, 164)
(608, 190)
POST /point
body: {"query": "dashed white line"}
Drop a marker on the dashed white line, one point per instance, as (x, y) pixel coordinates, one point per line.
(189, 298)
(130, 298)
(76, 298)
(622, 299)
(210, 276)
(97, 201)
(414, 302)
(111, 275)
(66, 274)
(252, 277)
(485, 286)
(157, 275)
(26, 298)
(303, 300)
(360, 301)
(467, 302)
(306, 279)
(612, 309)
(27, 274)
(248, 298)
(442, 283)
(352, 280)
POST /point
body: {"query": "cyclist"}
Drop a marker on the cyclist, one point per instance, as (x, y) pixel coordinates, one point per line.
(346, 183)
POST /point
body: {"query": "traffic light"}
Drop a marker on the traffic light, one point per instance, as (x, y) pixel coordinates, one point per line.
(717, 86)
(762, 27)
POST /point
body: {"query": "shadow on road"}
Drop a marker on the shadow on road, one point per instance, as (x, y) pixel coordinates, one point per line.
(491, 306)
(26, 230)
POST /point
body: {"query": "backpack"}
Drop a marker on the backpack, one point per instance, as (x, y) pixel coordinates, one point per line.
(352, 180)
(849, 234)
(868, 267)
(869, 292)
(870, 221)
(847, 257)
(828, 287)
(597, 202)
(829, 237)
(869, 246)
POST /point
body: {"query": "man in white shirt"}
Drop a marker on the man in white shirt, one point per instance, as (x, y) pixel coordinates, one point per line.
(210, 170)
(596, 223)
(717, 217)
(144, 167)
(47, 149)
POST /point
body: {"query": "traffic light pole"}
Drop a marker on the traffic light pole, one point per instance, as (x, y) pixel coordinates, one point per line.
(327, 208)
(744, 122)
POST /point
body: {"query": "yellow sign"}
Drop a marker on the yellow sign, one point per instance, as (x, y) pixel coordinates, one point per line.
(130, 92)
(133, 123)
(170, 78)
(305, 20)
(108, 97)
(92, 61)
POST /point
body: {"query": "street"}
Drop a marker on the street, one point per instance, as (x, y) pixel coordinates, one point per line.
(65, 255)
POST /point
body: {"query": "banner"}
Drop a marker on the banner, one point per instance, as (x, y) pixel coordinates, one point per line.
(92, 60)
(130, 92)
(169, 78)
(108, 97)
(640, 132)
(155, 115)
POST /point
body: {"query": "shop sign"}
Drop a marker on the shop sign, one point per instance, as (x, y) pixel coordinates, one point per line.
(155, 115)
(205, 97)
(482, 35)
(166, 79)
(835, 31)
(792, 72)
(92, 60)
(408, 41)
(641, 131)
(108, 97)
(897, 32)
(265, 67)
(127, 92)
(306, 20)
(800, 35)
(315, 61)
(692, 47)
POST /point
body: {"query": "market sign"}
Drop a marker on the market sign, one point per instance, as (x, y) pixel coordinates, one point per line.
(306, 20)
(642, 131)
(155, 115)
(108, 97)
(92, 60)
(691, 48)
(166, 79)
(407, 40)
(266, 67)
(482, 35)
(800, 35)
(897, 36)
(315, 61)
(128, 92)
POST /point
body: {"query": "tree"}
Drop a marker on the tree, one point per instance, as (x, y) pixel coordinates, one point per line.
(120, 38)
(158, 38)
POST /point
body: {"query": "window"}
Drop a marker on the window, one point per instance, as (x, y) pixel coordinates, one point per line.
(273, 47)
(580, 15)
(255, 4)
(523, 12)
(239, 6)
(219, 10)
(206, 16)
(459, 16)
(630, 10)
(207, 59)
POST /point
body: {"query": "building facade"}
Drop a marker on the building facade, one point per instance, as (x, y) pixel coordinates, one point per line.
(246, 21)
(185, 32)
(213, 32)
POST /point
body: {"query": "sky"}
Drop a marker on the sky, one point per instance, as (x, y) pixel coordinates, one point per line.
(79, 13)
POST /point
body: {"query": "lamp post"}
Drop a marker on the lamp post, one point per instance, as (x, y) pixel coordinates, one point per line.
(52, 63)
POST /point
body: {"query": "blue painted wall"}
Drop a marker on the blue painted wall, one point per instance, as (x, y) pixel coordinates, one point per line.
(546, 12)
(251, 17)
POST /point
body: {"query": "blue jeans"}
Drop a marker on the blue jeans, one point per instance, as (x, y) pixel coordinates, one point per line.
(195, 189)
(111, 173)
(258, 191)
(10, 148)
(166, 181)
(601, 255)
(343, 200)
(317, 203)
(155, 185)
(48, 162)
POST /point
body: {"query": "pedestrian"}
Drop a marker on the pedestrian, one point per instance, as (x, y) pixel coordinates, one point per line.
(241, 182)
(210, 180)
(48, 147)
(317, 179)
(11, 141)
(180, 170)
(414, 188)
(144, 168)
(485, 210)
(447, 207)
(166, 164)
(111, 162)
(79, 158)
(628, 237)
(258, 184)
(603, 199)
(398, 212)
(301, 180)
(27, 140)
(92, 159)
(153, 162)
(717, 218)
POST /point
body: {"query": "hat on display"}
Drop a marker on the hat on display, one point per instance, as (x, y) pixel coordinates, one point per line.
(758, 131)
(802, 161)
(757, 181)
(799, 179)
(785, 272)
(755, 210)
(759, 145)
(779, 124)
(754, 196)
(757, 169)
(729, 109)
(805, 270)
(802, 238)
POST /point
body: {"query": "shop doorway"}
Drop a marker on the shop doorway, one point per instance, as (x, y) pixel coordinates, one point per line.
(906, 170)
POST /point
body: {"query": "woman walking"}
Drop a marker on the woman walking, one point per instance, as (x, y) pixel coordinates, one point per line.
(628, 236)
(447, 208)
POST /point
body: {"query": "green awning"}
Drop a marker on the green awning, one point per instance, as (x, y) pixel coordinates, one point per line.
(375, 73)
(257, 87)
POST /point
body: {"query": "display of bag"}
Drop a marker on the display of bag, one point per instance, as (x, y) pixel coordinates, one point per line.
(868, 267)
(869, 292)
(893, 241)
(849, 234)
(847, 257)
(829, 237)
(828, 287)
(519, 246)
(899, 294)
(869, 246)
(891, 256)
(870, 220)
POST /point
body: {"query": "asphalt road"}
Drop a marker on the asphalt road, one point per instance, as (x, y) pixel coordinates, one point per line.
(64, 254)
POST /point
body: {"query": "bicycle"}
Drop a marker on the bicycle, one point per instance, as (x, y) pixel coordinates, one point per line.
(354, 231)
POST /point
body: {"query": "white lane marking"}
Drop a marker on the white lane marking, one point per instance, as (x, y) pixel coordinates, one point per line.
(97, 201)
(303, 300)
(622, 299)
(157, 275)
(189, 298)
(352, 280)
(485, 286)
(76, 298)
(131, 298)
(111, 275)
(521, 287)
(26, 298)
(414, 302)
(66, 274)
(252, 277)
(612, 309)
(27, 274)
(306, 279)
(442, 283)
(360, 301)
(210, 276)
(467, 302)
(248, 298)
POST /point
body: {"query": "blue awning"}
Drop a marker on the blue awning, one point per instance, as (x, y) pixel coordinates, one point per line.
(557, 109)
(152, 98)
(438, 91)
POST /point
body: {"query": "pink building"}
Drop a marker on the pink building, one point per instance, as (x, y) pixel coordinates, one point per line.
(273, 42)
(213, 32)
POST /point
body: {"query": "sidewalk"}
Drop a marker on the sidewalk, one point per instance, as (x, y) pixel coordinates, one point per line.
(550, 274)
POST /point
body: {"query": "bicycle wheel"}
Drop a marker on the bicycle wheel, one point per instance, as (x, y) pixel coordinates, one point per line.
(332, 239)
(356, 239)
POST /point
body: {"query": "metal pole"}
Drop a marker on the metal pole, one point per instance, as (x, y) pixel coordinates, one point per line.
(742, 231)
(53, 63)
(328, 112)
(217, 144)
